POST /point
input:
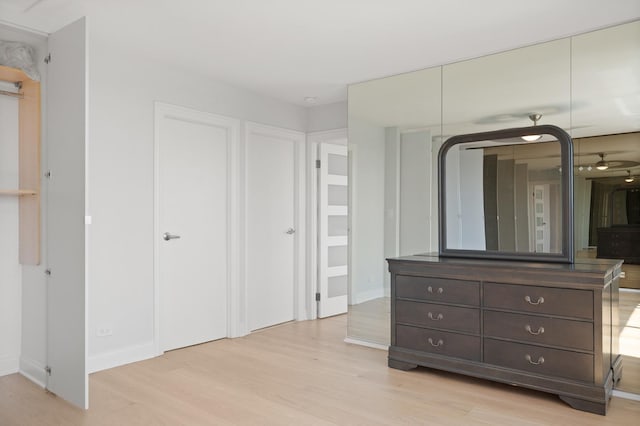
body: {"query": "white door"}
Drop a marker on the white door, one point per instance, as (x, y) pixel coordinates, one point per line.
(333, 242)
(271, 227)
(193, 224)
(66, 292)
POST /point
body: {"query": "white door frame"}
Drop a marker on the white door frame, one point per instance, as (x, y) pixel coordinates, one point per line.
(300, 270)
(232, 127)
(313, 140)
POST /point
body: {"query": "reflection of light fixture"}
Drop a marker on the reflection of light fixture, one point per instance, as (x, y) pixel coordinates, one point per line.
(602, 165)
(533, 138)
(589, 167)
(629, 178)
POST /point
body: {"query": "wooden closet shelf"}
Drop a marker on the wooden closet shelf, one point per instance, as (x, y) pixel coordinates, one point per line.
(29, 125)
(18, 192)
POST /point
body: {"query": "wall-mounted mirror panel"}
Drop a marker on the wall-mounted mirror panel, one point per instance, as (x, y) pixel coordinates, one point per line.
(606, 128)
(588, 85)
(503, 90)
(393, 125)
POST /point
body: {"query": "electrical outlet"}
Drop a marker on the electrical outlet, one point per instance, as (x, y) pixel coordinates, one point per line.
(104, 331)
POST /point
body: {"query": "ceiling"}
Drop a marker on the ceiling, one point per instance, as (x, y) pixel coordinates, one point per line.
(293, 49)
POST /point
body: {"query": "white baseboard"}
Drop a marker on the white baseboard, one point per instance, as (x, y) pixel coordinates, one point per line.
(34, 371)
(8, 365)
(365, 343)
(626, 395)
(362, 297)
(121, 357)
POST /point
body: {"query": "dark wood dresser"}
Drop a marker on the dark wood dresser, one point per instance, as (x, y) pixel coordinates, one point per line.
(620, 242)
(546, 326)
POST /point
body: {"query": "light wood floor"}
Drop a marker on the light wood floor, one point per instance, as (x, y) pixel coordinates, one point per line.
(296, 374)
(630, 341)
(369, 321)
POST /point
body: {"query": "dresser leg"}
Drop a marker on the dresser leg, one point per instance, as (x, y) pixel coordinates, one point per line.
(584, 405)
(401, 365)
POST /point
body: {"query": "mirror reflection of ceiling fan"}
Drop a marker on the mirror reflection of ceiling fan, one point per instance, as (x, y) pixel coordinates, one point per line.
(604, 164)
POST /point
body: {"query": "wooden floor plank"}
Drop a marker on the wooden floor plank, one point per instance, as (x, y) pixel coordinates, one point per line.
(295, 374)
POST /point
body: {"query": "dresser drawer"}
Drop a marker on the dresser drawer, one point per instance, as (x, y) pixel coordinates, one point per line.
(438, 316)
(536, 329)
(438, 342)
(539, 360)
(438, 290)
(541, 300)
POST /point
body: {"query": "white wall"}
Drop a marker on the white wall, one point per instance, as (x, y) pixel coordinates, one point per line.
(122, 91)
(10, 270)
(33, 302)
(327, 117)
(368, 265)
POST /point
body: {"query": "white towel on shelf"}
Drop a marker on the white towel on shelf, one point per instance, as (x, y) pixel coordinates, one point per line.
(19, 55)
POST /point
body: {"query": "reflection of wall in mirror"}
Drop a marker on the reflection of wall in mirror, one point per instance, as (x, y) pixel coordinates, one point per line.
(472, 200)
(415, 193)
(452, 199)
(465, 201)
(368, 267)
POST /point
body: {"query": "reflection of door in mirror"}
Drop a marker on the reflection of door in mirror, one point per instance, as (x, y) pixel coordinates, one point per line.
(541, 218)
(548, 218)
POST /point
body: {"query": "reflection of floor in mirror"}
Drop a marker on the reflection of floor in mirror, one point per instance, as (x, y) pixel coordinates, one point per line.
(632, 272)
(630, 341)
(632, 276)
(370, 321)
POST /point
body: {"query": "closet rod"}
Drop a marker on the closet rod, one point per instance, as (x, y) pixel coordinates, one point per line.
(12, 94)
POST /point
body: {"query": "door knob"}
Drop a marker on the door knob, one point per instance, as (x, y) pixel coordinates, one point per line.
(167, 236)
(291, 231)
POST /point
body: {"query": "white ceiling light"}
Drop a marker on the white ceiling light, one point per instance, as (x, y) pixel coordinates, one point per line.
(602, 165)
(629, 178)
(532, 138)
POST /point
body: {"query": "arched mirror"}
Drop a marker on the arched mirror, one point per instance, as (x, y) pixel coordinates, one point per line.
(507, 194)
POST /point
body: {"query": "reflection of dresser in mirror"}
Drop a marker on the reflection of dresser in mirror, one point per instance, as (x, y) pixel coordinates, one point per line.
(622, 239)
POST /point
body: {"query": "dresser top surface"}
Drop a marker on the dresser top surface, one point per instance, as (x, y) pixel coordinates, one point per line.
(582, 265)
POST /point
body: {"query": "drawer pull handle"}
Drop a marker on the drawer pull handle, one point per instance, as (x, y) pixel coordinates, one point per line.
(540, 300)
(435, 317)
(535, 333)
(437, 344)
(532, 362)
(439, 290)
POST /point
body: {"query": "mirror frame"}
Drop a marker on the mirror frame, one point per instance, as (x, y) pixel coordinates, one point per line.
(567, 255)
